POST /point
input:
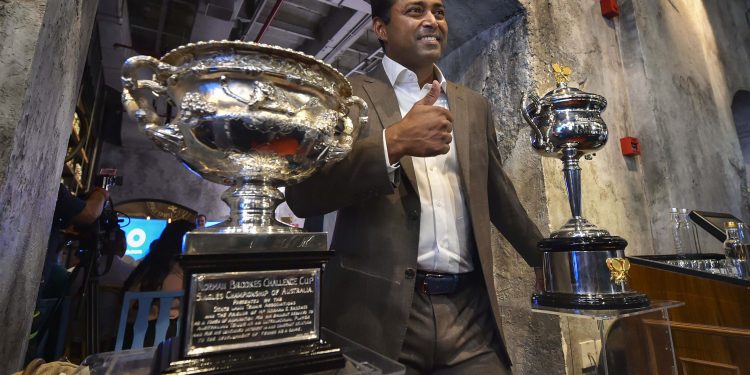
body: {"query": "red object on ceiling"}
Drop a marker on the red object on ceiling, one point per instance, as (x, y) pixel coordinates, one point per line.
(610, 8)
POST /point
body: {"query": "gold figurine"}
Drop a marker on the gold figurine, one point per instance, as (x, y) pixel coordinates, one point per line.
(618, 268)
(562, 72)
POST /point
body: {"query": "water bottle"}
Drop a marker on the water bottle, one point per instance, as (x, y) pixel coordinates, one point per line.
(687, 235)
(679, 248)
(733, 247)
(741, 253)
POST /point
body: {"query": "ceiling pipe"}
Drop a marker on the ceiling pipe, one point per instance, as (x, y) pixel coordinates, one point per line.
(270, 18)
(358, 5)
(254, 19)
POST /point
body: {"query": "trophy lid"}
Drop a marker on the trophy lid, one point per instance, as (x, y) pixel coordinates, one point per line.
(564, 97)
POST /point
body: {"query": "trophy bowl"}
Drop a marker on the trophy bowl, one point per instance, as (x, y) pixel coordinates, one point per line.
(251, 116)
(565, 118)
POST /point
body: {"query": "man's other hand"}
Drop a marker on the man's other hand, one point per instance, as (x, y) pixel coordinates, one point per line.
(424, 131)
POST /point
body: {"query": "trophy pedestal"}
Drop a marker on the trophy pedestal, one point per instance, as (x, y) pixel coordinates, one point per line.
(582, 273)
(252, 303)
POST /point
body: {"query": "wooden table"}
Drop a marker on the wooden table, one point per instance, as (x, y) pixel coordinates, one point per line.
(711, 332)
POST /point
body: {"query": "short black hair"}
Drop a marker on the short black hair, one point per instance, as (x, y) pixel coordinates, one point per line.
(381, 9)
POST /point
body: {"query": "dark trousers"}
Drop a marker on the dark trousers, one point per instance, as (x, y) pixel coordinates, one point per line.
(453, 333)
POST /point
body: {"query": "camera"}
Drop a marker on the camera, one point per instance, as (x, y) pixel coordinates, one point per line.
(107, 177)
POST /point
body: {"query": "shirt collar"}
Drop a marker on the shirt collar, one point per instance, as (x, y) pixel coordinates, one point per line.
(397, 73)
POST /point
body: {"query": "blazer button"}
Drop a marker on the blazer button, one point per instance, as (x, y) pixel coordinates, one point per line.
(413, 214)
(410, 273)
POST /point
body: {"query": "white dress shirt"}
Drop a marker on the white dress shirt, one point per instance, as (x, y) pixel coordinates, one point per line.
(445, 228)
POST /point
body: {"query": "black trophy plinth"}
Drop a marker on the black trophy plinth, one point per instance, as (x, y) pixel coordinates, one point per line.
(314, 357)
(251, 305)
(586, 273)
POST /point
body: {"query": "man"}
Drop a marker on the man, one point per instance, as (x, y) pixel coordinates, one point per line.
(200, 221)
(412, 277)
(69, 210)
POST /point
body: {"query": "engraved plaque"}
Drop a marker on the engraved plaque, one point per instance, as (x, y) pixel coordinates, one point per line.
(236, 310)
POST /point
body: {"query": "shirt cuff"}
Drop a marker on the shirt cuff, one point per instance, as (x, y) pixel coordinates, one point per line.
(391, 168)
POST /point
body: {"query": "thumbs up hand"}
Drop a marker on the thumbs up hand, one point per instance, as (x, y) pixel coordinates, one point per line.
(424, 131)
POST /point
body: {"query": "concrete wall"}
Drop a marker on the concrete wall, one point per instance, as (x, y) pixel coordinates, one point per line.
(42, 54)
(741, 115)
(689, 58)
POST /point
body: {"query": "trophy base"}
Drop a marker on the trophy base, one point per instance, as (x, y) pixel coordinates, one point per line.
(314, 357)
(591, 301)
(251, 306)
(587, 273)
(219, 242)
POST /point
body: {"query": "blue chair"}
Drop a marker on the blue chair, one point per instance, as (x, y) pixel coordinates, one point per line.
(140, 325)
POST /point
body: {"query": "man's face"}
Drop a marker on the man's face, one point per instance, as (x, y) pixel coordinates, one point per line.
(200, 221)
(417, 33)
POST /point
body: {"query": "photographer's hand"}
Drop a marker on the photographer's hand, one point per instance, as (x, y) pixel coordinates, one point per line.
(94, 206)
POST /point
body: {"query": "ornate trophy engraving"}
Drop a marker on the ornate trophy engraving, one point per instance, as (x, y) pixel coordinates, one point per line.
(584, 266)
(254, 117)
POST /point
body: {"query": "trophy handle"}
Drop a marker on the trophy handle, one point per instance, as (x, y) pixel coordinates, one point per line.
(351, 131)
(533, 98)
(362, 119)
(138, 93)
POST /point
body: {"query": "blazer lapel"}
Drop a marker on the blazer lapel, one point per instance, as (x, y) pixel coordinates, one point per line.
(461, 133)
(384, 101)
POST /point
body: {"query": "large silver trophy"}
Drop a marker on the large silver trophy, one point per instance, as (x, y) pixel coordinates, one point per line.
(584, 266)
(254, 117)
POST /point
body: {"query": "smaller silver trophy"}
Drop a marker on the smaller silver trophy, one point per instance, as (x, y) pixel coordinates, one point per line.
(253, 117)
(584, 266)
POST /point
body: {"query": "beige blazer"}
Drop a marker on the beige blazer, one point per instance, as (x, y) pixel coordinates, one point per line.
(369, 284)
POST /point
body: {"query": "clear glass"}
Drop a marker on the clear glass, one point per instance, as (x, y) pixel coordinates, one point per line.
(677, 237)
(724, 267)
(632, 341)
(687, 233)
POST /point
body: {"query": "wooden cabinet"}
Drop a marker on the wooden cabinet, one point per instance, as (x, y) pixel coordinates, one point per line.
(711, 332)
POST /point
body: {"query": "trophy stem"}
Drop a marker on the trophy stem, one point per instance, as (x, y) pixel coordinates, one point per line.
(572, 172)
(253, 205)
(577, 226)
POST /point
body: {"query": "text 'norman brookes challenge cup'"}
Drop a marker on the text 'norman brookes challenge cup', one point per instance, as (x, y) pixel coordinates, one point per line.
(251, 116)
